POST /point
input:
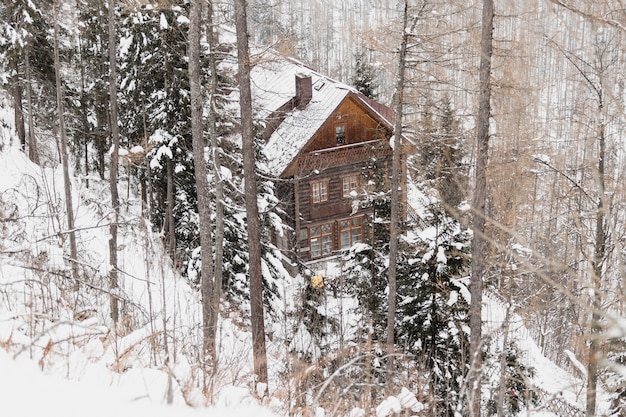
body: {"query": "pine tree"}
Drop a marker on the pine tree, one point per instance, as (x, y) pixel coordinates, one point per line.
(441, 156)
(433, 310)
(364, 76)
(25, 46)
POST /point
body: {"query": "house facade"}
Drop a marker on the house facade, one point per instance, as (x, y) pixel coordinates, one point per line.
(320, 138)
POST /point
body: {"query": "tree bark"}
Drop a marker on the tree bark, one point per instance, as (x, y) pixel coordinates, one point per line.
(202, 184)
(33, 152)
(115, 139)
(479, 245)
(18, 108)
(216, 159)
(595, 352)
(169, 211)
(63, 147)
(252, 210)
(396, 193)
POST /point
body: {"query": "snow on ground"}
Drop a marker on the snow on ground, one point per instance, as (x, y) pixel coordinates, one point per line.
(27, 392)
(57, 355)
(552, 379)
(62, 366)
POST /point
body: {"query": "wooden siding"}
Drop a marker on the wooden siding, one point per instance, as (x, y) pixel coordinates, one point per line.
(323, 159)
(359, 127)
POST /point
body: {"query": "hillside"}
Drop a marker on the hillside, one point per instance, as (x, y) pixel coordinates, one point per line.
(54, 335)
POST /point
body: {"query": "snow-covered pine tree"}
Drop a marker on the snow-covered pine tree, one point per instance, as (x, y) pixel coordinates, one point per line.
(154, 96)
(433, 308)
(90, 124)
(441, 153)
(25, 46)
(364, 75)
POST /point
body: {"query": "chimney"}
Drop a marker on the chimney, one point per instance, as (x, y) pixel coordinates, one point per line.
(304, 90)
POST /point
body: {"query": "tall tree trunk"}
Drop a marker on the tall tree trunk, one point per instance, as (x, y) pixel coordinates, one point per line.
(169, 211)
(252, 209)
(115, 140)
(202, 183)
(479, 245)
(216, 159)
(33, 152)
(63, 147)
(18, 108)
(396, 193)
(597, 266)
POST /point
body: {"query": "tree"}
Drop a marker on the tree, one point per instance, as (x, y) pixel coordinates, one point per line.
(209, 308)
(63, 147)
(364, 78)
(396, 172)
(115, 141)
(213, 102)
(27, 56)
(433, 312)
(441, 153)
(479, 245)
(252, 210)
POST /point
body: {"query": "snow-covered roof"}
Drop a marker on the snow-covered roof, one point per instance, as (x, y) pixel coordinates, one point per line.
(273, 85)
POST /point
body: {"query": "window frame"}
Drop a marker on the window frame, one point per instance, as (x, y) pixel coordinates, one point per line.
(340, 134)
(324, 239)
(315, 190)
(345, 178)
(350, 229)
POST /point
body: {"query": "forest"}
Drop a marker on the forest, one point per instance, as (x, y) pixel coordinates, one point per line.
(138, 215)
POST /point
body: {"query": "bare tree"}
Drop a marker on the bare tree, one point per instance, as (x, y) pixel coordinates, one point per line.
(209, 309)
(33, 153)
(63, 148)
(396, 193)
(115, 139)
(216, 160)
(252, 209)
(479, 244)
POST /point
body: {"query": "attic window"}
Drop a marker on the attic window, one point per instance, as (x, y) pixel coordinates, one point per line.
(319, 85)
(340, 134)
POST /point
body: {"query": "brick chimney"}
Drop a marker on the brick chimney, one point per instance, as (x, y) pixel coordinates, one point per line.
(304, 90)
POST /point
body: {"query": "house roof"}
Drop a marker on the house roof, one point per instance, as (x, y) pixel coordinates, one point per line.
(273, 86)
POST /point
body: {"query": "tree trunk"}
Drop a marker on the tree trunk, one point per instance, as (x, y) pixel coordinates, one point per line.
(169, 212)
(202, 183)
(252, 209)
(597, 266)
(396, 193)
(18, 110)
(63, 147)
(479, 245)
(216, 159)
(115, 139)
(33, 152)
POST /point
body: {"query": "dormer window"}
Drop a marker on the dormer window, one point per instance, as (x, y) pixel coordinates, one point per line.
(340, 134)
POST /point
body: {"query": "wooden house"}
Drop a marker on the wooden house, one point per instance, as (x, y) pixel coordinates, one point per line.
(319, 135)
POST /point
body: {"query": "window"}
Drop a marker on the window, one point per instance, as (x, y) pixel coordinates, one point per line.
(320, 240)
(349, 184)
(350, 232)
(340, 134)
(319, 191)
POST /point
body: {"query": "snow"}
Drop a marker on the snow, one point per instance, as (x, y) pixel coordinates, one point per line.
(27, 392)
(388, 406)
